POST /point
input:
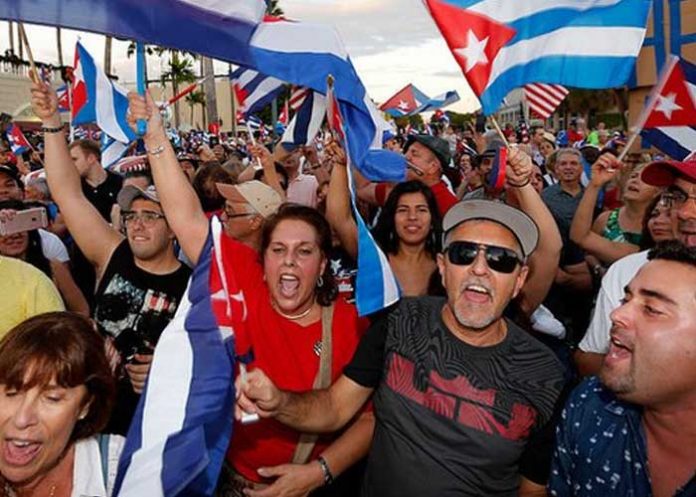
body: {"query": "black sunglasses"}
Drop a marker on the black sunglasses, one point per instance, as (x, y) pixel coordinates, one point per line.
(499, 259)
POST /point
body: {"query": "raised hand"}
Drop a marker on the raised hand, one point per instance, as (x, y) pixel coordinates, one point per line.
(260, 152)
(605, 169)
(519, 167)
(144, 107)
(44, 103)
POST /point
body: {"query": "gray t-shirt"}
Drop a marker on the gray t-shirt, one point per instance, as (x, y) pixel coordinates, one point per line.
(452, 419)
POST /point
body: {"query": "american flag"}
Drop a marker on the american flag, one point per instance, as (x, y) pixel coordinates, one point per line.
(297, 97)
(544, 99)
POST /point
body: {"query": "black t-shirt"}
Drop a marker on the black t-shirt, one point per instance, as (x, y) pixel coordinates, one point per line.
(134, 306)
(451, 419)
(103, 196)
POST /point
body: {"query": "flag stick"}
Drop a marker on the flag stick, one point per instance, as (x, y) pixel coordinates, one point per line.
(253, 141)
(629, 144)
(500, 131)
(185, 91)
(34, 73)
(140, 81)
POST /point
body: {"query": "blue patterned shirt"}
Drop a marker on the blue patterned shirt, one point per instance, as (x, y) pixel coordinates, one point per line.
(601, 448)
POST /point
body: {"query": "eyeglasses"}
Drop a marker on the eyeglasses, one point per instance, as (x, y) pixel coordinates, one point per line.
(147, 218)
(229, 214)
(499, 259)
(675, 199)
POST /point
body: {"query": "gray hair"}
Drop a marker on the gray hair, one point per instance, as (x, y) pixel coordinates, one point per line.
(40, 185)
(569, 151)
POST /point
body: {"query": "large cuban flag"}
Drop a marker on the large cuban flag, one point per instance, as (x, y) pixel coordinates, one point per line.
(179, 436)
(234, 31)
(502, 45)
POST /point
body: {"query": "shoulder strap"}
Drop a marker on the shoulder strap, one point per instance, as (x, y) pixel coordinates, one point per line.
(305, 445)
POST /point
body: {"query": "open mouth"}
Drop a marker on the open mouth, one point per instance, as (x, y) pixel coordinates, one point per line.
(618, 350)
(289, 285)
(477, 293)
(20, 452)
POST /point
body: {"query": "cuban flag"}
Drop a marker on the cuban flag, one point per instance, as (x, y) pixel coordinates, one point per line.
(177, 441)
(306, 122)
(405, 102)
(253, 90)
(96, 99)
(440, 102)
(18, 142)
(505, 45)
(669, 119)
(111, 151)
(376, 285)
(63, 98)
(235, 32)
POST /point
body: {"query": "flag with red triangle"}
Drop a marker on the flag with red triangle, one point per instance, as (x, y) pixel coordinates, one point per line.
(405, 102)
(673, 102)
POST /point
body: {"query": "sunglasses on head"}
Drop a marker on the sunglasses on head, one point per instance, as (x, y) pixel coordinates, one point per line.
(499, 259)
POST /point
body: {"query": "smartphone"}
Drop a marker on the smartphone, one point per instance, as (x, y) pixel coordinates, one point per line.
(26, 220)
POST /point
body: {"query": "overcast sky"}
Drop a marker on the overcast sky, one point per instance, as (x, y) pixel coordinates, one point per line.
(391, 42)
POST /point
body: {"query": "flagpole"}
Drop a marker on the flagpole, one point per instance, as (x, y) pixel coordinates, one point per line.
(500, 131)
(233, 104)
(140, 81)
(34, 73)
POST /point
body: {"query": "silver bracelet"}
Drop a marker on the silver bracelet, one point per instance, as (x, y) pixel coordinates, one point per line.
(157, 151)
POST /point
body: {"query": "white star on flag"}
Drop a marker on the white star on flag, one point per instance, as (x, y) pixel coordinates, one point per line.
(403, 105)
(474, 52)
(667, 105)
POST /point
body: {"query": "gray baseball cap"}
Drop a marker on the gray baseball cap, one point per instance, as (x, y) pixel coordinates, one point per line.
(521, 225)
(131, 192)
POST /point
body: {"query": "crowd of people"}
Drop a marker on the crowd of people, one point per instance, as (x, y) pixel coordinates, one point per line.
(544, 343)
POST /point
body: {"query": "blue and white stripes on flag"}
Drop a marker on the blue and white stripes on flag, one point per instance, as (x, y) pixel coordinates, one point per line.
(253, 90)
(502, 45)
(376, 285)
(439, 102)
(106, 103)
(306, 122)
(111, 151)
(234, 32)
(182, 426)
(676, 141)
(320, 47)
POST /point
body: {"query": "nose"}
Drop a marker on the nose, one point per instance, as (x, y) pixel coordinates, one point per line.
(622, 315)
(26, 414)
(289, 259)
(479, 267)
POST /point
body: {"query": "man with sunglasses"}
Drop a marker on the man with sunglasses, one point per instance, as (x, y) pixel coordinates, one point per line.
(460, 392)
(679, 181)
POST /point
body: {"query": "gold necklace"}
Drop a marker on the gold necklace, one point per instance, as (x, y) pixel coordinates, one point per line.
(10, 493)
(296, 316)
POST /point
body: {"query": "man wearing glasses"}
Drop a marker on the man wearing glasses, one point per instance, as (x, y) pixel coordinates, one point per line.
(679, 181)
(460, 391)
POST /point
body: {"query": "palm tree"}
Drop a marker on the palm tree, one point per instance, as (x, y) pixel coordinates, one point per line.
(59, 46)
(208, 71)
(196, 98)
(180, 71)
(272, 9)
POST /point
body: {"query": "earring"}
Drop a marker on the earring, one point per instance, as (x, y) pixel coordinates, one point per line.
(320, 281)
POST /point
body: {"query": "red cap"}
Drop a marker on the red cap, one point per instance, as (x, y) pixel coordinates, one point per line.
(664, 172)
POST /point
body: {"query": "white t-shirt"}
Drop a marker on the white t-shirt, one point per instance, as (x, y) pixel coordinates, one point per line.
(610, 294)
(53, 247)
(88, 473)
